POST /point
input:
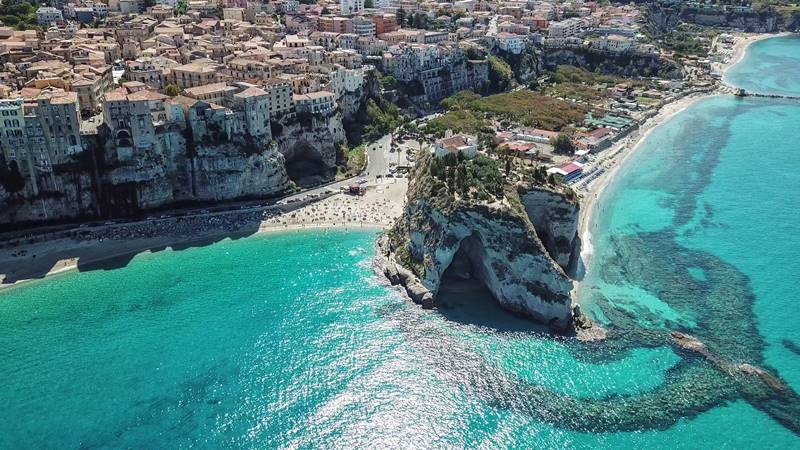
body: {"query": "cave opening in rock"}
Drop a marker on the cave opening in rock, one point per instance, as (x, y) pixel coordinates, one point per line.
(463, 294)
(305, 166)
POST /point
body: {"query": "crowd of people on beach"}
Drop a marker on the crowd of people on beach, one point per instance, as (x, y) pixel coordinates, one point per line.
(228, 222)
(339, 210)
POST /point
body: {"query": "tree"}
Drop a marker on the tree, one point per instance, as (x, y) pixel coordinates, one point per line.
(500, 75)
(388, 82)
(369, 4)
(325, 11)
(172, 90)
(10, 178)
(419, 20)
(181, 8)
(400, 15)
(563, 144)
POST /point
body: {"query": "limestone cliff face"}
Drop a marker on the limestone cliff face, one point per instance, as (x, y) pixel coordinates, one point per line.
(225, 172)
(106, 181)
(663, 19)
(555, 218)
(623, 64)
(310, 136)
(501, 243)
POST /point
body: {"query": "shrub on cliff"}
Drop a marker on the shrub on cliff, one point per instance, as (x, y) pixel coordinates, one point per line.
(525, 107)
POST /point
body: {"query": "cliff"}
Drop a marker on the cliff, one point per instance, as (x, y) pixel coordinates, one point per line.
(768, 20)
(309, 144)
(463, 220)
(627, 65)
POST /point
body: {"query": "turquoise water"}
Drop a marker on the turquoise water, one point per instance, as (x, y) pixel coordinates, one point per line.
(288, 340)
(769, 67)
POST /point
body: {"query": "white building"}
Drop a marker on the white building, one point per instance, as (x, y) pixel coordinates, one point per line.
(511, 43)
(457, 143)
(47, 15)
(613, 43)
(349, 7)
(321, 102)
(572, 27)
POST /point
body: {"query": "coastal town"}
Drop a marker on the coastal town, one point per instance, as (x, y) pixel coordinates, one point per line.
(399, 224)
(125, 116)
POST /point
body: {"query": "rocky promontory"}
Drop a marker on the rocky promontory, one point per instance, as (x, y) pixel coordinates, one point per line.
(484, 219)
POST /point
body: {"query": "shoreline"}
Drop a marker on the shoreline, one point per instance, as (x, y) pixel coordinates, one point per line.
(613, 159)
(740, 51)
(155, 245)
(616, 157)
(375, 210)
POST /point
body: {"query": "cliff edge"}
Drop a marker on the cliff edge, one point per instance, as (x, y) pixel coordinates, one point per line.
(508, 229)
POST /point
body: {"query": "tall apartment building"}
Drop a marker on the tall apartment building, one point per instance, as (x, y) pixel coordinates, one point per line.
(279, 92)
(349, 7)
(40, 132)
(47, 15)
(332, 24)
(361, 26)
(384, 23)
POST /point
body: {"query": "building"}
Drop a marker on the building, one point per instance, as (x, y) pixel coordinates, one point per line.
(129, 121)
(252, 105)
(12, 128)
(279, 96)
(569, 171)
(361, 26)
(511, 43)
(47, 15)
(332, 24)
(196, 73)
(454, 144)
(321, 102)
(572, 27)
(349, 7)
(384, 23)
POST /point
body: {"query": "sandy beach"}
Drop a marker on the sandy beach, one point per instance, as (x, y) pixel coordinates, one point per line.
(114, 246)
(613, 158)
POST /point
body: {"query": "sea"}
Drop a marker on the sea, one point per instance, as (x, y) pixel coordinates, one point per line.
(289, 340)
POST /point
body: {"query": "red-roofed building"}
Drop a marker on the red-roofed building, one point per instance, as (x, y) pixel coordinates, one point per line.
(457, 143)
(569, 171)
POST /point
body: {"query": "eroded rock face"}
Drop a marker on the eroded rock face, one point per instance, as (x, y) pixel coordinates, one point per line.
(224, 172)
(496, 244)
(626, 65)
(555, 219)
(319, 135)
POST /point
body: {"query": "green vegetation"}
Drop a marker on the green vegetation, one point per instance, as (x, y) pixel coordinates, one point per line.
(460, 121)
(388, 82)
(21, 15)
(180, 9)
(500, 75)
(450, 178)
(563, 144)
(579, 84)
(685, 39)
(572, 74)
(400, 15)
(11, 180)
(524, 107)
(352, 161)
(382, 118)
(172, 90)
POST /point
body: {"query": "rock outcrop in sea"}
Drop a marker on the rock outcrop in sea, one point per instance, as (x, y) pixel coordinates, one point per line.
(463, 220)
